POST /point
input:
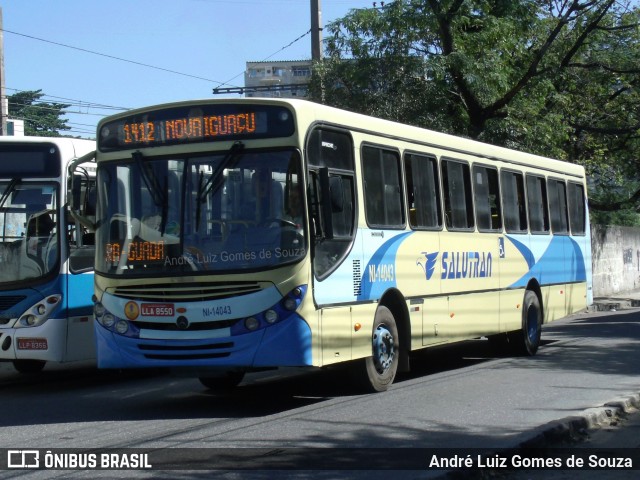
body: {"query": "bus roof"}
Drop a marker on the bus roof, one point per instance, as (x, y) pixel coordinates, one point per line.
(309, 113)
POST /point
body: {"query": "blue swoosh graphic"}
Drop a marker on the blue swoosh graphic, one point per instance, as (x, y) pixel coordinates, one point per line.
(385, 254)
(562, 262)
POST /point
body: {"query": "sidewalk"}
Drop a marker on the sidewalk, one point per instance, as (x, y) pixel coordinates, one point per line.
(618, 301)
(614, 425)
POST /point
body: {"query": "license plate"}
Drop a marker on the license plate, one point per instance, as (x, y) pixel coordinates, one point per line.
(32, 344)
(157, 309)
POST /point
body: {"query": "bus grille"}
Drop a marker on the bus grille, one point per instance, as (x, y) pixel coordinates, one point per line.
(198, 291)
(9, 301)
(186, 352)
(192, 326)
(5, 304)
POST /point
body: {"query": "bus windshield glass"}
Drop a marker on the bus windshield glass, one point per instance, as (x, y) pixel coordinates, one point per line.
(229, 211)
(28, 230)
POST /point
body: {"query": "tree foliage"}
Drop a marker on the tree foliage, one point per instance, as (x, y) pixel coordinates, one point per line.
(41, 119)
(559, 78)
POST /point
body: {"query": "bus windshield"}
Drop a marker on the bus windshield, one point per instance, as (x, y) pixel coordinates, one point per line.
(229, 211)
(28, 230)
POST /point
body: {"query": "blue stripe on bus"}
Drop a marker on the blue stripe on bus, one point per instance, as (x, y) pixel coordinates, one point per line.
(561, 262)
(386, 254)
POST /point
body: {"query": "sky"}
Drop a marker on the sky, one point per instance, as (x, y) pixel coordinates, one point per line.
(106, 56)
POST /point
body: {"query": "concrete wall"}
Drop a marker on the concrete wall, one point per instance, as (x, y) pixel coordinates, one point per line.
(616, 259)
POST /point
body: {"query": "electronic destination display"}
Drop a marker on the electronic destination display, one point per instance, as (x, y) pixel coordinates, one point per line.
(196, 123)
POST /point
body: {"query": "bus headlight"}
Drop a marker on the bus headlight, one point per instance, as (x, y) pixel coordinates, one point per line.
(114, 323)
(39, 313)
(278, 313)
(251, 323)
(290, 304)
(98, 310)
(122, 326)
(271, 316)
(108, 320)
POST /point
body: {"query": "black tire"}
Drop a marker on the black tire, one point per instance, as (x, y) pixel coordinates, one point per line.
(527, 340)
(224, 382)
(29, 366)
(377, 372)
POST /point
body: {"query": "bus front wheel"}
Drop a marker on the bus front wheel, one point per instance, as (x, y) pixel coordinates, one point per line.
(29, 366)
(377, 372)
(224, 382)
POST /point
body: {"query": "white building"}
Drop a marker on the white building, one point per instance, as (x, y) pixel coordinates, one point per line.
(15, 128)
(284, 79)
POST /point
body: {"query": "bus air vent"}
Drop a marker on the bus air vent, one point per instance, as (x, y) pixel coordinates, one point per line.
(357, 278)
(10, 300)
(184, 292)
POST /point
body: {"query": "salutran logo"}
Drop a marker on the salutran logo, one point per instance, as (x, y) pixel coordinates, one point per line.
(428, 263)
(456, 265)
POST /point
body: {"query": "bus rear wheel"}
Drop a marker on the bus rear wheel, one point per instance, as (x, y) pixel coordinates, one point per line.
(527, 340)
(377, 372)
(224, 382)
(29, 366)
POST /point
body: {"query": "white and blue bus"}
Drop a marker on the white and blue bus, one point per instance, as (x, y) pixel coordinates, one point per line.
(46, 258)
(234, 236)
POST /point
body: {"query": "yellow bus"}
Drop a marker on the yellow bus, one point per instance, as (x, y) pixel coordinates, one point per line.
(241, 235)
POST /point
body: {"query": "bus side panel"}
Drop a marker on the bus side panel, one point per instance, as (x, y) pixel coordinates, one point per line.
(516, 261)
(469, 269)
(81, 344)
(579, 293)
(555, 262)
(335, 324)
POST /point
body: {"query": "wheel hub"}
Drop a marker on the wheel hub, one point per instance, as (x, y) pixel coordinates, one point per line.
(383, 349)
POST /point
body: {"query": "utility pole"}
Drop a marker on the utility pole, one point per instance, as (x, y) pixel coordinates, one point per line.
(316, 31)
(4, 102)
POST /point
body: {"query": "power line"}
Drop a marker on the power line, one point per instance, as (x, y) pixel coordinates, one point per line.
(112, 57)
(74, 101)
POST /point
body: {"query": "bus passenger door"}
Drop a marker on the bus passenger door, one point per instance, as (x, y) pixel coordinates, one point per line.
(79, 290)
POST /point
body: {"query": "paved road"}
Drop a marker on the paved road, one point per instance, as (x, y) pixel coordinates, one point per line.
(457, 398)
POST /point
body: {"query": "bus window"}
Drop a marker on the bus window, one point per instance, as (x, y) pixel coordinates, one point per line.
(423, 192)
(487, 198)
(458, 205)
(332, 150)
(515, 211)
(537, 204)
(382, 192)
(577, 209)
(558, 198)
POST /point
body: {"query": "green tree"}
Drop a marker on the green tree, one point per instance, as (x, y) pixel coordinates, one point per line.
(556, 78)
(41, 119)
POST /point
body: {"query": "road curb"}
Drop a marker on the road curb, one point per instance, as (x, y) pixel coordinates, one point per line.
(577, 428)
(612, 304)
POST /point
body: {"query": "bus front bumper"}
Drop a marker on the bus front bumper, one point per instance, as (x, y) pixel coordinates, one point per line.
(287, 343)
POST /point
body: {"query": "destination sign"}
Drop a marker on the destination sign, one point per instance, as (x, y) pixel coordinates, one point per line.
(135, 252)
(195, 123)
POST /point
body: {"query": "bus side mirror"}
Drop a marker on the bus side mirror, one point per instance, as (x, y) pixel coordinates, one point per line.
(81, 191)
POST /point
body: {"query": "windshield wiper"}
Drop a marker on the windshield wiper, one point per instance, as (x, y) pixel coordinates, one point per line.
(8, 190)
(216, 179)
(159, 196)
